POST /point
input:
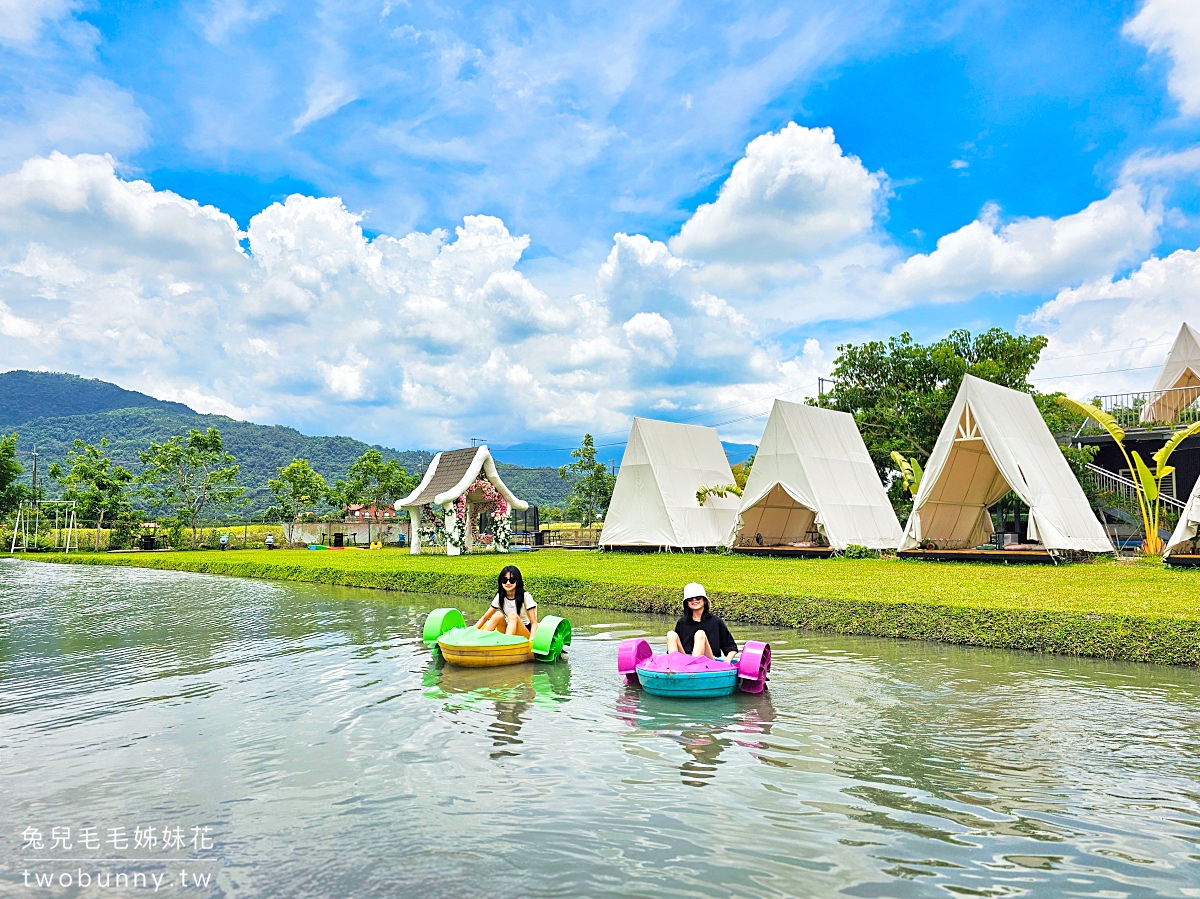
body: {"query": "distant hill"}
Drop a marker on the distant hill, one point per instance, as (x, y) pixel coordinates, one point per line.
(50, 411)
(28, 395)
(609, 451)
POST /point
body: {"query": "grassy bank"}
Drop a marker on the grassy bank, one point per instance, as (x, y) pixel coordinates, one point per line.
(1110, 610)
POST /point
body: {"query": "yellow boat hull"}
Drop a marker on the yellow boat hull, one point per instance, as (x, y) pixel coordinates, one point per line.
(486, 656)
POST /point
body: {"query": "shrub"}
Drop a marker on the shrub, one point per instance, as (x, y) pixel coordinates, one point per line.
(854, 551)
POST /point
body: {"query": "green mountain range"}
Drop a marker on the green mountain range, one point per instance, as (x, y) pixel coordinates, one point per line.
(50, 410)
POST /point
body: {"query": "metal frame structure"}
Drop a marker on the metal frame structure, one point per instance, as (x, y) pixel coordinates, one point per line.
(65, 525)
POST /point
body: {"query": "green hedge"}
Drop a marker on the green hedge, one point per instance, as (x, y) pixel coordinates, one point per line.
(1139, 638)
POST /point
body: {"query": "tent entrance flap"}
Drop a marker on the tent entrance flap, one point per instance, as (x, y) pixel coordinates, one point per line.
(956, 514)
(779, 520)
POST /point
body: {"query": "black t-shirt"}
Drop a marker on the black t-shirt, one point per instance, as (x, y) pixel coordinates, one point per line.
(719, 638)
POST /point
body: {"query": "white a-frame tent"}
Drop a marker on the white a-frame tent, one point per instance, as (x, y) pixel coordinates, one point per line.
(995, 440)
(813, 475)
(654, 500)
(1189, 523)
(1178, 383)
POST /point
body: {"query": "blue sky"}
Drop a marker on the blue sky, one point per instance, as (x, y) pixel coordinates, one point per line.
(675, 210)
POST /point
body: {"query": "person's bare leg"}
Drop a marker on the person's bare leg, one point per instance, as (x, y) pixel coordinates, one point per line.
(494, 621)
(517, 626)
(701, 647)
(673, 644)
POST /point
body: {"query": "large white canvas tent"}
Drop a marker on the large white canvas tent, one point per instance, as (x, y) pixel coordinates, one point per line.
(1189, 523)
(812, 476)
(654, 500)
(995, 440)
(1178, 383)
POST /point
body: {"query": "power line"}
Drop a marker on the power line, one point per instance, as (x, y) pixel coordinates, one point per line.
(1091, 374)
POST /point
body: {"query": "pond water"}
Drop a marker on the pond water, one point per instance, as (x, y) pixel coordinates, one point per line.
(309, 731)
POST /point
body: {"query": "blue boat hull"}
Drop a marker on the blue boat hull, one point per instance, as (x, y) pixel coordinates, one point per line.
(688, 685)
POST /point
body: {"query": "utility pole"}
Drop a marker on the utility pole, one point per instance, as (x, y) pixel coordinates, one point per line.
(37, 506)
(821, 382)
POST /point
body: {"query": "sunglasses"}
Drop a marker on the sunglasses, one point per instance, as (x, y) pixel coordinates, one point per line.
(508, 579)
(696, 599)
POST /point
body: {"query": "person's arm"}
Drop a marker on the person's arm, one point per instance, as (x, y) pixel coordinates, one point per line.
(487, 613)
(532, 621)
(729, 646)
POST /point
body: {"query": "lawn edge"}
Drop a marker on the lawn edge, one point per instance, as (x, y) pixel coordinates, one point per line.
(1133, 638)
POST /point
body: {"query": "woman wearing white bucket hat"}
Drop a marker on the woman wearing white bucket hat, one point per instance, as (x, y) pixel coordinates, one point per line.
(698, 631)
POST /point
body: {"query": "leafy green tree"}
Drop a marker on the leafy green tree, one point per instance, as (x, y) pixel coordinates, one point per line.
(591, 484)
(12, 493)
(97, 486)
(900, 392)
(298, 490)
(189, 475)
(741, 471)
(372, 482)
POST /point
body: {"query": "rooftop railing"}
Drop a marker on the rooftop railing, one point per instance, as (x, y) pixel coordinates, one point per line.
(1147, 409)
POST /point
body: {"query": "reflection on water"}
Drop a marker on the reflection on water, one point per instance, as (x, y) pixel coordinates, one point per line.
(331, 754)
(511, 691)
(702, 729)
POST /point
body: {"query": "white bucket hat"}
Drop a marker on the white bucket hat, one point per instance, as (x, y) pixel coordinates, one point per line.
(693, 590)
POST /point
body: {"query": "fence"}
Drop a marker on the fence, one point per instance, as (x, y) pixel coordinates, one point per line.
(575, 538)
(1147, 409)
(120, 535)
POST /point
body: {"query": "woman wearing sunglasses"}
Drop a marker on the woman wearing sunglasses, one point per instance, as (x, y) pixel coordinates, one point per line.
(512, 611)
(699, 632)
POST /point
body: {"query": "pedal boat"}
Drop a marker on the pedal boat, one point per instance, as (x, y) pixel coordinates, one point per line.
(470, 647)
(682, 676)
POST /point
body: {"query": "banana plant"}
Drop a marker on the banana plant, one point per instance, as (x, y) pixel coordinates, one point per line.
(1148, 482)
(910, 470)
(721, 490)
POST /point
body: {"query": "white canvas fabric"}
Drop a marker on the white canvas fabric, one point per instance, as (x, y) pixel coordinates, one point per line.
(654, 500)
(813, 475)
(1189, 522)
(1180, 376)
(994, 440)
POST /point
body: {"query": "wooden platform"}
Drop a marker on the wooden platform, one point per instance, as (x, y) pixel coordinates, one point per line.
(1183, 560)
(986, 556)
(794, 552)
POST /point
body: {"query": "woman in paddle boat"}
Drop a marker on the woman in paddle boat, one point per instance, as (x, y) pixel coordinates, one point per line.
(513, 611)
(699, 632)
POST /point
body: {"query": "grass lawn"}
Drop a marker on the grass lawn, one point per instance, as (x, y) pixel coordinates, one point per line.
(1140, 612)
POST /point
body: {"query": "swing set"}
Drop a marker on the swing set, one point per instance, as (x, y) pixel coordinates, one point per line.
(29, 519)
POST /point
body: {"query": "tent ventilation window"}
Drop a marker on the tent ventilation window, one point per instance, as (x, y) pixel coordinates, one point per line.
(967, 428)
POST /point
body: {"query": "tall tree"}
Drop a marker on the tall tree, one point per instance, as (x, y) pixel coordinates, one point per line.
(12, 493)
(901, 391)
(298, 490)
(191, 474)
(372, 482)
(591, 484)
(97, 486)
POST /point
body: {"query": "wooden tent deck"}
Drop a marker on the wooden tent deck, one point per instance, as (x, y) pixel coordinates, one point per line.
(987, 556)
(1183, 560)
(794, 552)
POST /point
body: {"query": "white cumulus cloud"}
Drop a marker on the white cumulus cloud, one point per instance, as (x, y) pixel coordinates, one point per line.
(794, 195)
(428, 338)
(1173, 27)
(1118, 324)
(419, 340)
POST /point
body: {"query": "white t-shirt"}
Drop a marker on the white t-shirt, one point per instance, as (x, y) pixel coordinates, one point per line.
(510, 606)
